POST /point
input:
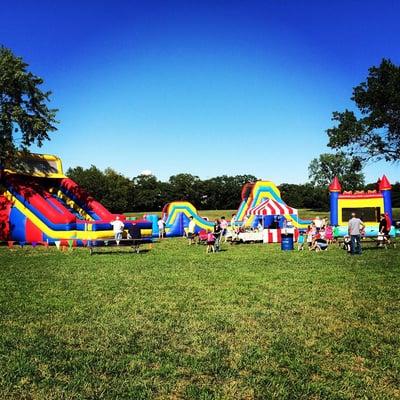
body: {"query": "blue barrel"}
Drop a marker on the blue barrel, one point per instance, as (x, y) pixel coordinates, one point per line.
(287, 242)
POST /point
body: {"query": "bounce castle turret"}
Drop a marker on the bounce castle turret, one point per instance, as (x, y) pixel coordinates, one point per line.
(368, 205)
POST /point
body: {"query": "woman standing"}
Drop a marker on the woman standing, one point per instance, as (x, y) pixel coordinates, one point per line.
(217, 234)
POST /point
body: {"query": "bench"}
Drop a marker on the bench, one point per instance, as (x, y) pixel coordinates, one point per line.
(373, 241)
(134, 244)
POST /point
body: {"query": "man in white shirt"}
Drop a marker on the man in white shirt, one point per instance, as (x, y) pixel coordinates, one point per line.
(161, 228)
(318, 222)
(355, 227)
(118, 228)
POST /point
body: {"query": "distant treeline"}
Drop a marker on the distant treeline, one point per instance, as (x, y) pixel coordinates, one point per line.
(146, 193)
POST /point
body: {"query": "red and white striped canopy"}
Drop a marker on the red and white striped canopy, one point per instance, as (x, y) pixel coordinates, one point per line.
(271, 207)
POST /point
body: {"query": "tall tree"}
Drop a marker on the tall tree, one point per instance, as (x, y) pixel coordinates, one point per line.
(25, 118)
(185, 187)
(111, 188)
(149, 194)
(375, 134)
(323, 169)
(91, 179)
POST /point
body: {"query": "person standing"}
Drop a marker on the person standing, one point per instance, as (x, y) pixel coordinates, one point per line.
(161, 228)
(191, 230)
(355, 226)
(233, 221)
(224, 226)
(217, 235)
(383, 225)
(317, 222)
(384, 229)
(311, 232)
(118, 228)
(210, 243)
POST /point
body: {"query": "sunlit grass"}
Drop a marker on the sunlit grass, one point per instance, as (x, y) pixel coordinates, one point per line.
(251, 322)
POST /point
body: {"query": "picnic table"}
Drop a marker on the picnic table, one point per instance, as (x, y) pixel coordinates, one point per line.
(101, 244)
(372, 240)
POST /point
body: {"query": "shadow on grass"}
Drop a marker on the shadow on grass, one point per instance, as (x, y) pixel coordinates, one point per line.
(108, 252)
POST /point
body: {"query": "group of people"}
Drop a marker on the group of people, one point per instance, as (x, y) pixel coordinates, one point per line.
(214, 237)
(318, 235)
(118, 230)
(356, 228)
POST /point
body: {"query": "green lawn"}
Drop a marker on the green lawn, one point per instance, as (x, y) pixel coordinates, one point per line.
(251, 322)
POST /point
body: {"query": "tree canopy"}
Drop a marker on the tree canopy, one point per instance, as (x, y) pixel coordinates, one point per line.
(323, 169)
(147, 193)
(25, 118)
(374, 133)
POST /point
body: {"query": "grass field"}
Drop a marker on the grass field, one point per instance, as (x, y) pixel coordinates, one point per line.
(251, 322)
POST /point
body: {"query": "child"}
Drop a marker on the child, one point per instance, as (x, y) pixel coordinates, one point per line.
(310, 235)
(329, 234)
(210, 243)
(347, 244)
(224, 226)
(300, 241)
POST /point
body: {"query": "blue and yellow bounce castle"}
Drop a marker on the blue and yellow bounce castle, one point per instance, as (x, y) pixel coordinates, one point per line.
(368, 206)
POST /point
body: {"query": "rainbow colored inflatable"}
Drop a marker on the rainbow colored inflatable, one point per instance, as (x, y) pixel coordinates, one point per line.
(177, 213)
(253, 194)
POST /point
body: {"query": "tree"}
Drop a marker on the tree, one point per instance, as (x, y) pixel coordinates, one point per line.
(25, 118)
(112, 189)
(149, 194)
(185, 187)
(305, 196)
(91, 179)
(323, 169)
(223, 192)
(376, 133)
(118, 188)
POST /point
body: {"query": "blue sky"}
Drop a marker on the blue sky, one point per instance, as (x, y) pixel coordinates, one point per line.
(205, 87)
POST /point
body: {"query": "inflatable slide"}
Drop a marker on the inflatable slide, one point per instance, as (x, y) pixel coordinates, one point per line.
(177, 213)
(43, 205)
(176, 216)
(253, 194)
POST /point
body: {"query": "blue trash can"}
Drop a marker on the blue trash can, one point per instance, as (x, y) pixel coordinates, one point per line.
(287, 242)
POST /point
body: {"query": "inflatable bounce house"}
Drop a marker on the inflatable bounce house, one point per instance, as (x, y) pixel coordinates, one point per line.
(42, 205)
(261, 202)
(368, 206)
(266, 195)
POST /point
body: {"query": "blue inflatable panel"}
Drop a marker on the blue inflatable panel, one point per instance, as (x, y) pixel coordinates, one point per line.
(17, 225)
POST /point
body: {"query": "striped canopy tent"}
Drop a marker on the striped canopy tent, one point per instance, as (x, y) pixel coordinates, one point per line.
(271, 207)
